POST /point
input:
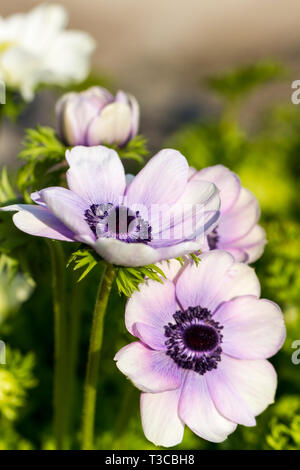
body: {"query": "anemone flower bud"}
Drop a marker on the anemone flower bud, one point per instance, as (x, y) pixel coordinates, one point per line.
(95, 117)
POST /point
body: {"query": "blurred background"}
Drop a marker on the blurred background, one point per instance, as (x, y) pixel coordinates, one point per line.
(213, 80)
(160, 51)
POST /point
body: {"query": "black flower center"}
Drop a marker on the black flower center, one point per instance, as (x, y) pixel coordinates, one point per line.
(194, 340)
(201, 338)
(109, 221)
(213, 239)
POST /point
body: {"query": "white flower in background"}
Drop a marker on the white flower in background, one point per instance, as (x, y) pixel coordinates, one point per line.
(13, 292)
(35, 48)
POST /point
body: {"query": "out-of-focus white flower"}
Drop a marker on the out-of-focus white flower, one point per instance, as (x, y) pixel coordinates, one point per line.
(13, 292)
(35, 48)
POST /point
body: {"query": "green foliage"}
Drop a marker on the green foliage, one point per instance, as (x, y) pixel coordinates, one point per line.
(7, 193)
(135, 149)
(239, 82)
(84, 258)
(42, 152)
(129, 279)
(16, 378)
(284, 431)
(14, 105)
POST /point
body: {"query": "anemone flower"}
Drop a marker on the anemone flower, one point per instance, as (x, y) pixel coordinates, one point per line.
(204, 336)
(95, 117)
(238, 231)
(36, 49)
(157, 215)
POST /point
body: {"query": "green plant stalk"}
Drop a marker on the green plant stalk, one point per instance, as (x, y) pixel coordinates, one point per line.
(60, 404)
(92, 371)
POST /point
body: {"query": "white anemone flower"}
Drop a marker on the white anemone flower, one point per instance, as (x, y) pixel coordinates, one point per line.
(35, 48)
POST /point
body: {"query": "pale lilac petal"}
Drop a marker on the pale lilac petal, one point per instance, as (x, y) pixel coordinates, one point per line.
(195, 214)
(242, 217)
(172, 269)
(254, 381)
(198, 412)
(135, 110)
(161, 422)
(149, 370)
(69, 208)
(150, 335)
(178, 250)
(38, 221)
(226, 181)
(154, 304)
(216, 279)
(113, 125)
(96, 174)
(251, 245)
(161, 181)
(227, 399)
(253, 328)
(78, 112)
(125, 254)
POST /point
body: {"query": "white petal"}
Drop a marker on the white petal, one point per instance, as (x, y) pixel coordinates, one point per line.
(96, 174)
(113, 125)
(125, 254)
(198, 412)
(253, 328)
(254, 381)
(161, 422)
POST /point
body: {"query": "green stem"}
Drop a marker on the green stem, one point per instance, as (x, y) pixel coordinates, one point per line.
(60, 340)
(92, 371)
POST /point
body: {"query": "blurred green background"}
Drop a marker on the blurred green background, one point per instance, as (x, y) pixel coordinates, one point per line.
(238, 114)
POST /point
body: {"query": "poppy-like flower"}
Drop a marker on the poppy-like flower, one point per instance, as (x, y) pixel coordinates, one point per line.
(36, 49)
(95, 117)
(204, 336)
(158, 215)
(238, 231)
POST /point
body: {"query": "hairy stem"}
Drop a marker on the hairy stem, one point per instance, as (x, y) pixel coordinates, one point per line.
(92, 371)
(58, 264)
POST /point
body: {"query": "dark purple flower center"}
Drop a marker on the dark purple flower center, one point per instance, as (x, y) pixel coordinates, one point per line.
(194, 340)
(213, 239)
(109, 221)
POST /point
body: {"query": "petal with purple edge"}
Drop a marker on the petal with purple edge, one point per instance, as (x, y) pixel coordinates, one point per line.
(251, 245)
(216, 279)
(96, 174)
(197, 410)
(154, 304)
(254, 381)
(226, 181)
(69, 208)
(161, 181)
(161, 422)
(242, 217)
(149, 370)
(151, 336)
(39, 221)
(247, 333)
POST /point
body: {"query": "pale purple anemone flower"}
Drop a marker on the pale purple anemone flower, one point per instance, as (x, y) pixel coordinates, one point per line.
(95, 116)
(238, 231)
(99, 195)
(201, 360)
